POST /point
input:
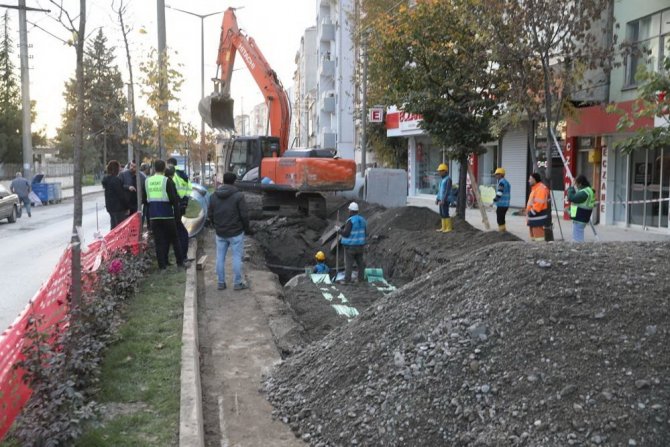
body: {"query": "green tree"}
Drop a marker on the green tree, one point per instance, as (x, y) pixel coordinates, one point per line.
(10, 101)
(429, 59)
(158, 98)
(104, 108)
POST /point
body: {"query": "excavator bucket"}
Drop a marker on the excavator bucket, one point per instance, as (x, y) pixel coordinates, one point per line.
(217, 111)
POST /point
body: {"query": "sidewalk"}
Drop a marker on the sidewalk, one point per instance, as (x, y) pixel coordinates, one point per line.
(517, 226)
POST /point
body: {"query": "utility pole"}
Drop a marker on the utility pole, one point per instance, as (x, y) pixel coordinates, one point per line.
(27, 140)
(163, 107)
(364, 105)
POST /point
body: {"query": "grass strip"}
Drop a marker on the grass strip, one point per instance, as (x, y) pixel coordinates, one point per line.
(139, 386)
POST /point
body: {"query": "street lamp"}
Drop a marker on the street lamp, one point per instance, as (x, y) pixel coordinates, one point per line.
(202, 18)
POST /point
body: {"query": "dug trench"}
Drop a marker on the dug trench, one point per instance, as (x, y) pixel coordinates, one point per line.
(486, 341)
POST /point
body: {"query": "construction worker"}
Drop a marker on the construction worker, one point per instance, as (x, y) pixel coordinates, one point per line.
(442, 198)
(161, 196)
(502, 198)
(537, 209)
(321, 267)
(582, 201)
(184, 189)
(354, 238)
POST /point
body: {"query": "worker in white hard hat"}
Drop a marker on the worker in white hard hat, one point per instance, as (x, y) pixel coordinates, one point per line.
(442, 198)
(502, 198)
(321, 267)
(354, 238)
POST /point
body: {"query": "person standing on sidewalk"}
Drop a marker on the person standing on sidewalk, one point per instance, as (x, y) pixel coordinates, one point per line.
(116, 201)
(582, 201)
(129, 179)
(228, 213)
(502, 198)
(163, 202)
(442, 198)
(21, 188)
(354, 237)
(537, 208)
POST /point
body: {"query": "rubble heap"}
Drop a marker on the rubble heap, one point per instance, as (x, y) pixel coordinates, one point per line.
(511, 344)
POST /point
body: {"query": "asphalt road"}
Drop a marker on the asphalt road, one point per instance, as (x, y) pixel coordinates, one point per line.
(31, 247)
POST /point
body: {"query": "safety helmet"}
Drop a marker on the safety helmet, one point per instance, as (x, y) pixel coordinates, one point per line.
(353, 206)
(500, 171)
(442, 167)
(320, 256)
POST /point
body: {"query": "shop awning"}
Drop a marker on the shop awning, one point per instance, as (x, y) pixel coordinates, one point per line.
(595, 120)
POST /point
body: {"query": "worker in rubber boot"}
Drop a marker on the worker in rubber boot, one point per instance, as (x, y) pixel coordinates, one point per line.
(502, 198)
(442, 198)
(321, 267)
(582, 201)
(354, 237)
(537, 208)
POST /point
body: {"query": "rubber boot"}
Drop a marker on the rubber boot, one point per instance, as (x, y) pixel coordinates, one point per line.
(502, 228)
(441, 229)
(447, 225)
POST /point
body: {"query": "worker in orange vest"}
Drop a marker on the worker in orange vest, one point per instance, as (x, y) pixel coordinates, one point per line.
(537, 209)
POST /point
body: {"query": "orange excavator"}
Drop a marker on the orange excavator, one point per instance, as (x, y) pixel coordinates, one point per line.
(286, 178)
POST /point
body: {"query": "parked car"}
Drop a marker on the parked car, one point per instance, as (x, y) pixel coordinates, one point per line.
(9, 205)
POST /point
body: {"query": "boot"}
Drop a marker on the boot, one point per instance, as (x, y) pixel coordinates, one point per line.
(502, 228)
(441, 230)
(447, 225)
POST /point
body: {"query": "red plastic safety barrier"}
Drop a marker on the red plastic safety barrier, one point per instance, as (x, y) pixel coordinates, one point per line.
(50, 304)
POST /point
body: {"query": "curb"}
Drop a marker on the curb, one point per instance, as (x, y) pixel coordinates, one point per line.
(191, 430)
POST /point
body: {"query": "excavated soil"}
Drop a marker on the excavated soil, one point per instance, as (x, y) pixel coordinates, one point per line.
(506, 344)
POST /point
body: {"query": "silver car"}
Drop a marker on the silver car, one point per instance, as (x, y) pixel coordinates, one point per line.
(9, 205)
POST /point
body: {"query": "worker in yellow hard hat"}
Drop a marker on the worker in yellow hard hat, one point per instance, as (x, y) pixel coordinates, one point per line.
(442, 198)
(320, 266)
(502, 198)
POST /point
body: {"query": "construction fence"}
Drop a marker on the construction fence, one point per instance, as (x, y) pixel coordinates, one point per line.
(48, 307)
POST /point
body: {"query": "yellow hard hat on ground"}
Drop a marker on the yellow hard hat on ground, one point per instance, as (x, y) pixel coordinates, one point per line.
(500, 171)
(442, 167)
(320, 256)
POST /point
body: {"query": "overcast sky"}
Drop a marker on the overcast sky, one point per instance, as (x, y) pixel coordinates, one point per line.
(276, 25)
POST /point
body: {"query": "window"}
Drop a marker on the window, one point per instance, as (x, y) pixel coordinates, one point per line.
(238, 158)
(649, 37)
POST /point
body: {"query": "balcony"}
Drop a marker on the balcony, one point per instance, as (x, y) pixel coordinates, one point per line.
(328, 139)
(327, 69)
(327, 32)
(328, 102)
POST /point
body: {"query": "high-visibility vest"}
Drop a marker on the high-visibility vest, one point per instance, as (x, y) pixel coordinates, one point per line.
(504, 193)
(157, 196)
(184, 187)
(586, 206)
(358, 231)
(538, 201)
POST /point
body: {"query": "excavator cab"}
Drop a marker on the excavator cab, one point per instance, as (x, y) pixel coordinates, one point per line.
(217, 111)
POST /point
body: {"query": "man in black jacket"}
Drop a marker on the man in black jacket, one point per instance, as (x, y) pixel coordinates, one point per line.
(228, 213)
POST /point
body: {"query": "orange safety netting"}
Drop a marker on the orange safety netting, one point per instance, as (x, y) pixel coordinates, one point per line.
(49, 306)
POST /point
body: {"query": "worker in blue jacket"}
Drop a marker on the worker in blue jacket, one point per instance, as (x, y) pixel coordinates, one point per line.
(502, 198)
(354, 238)
(442, 198)
(321, 267)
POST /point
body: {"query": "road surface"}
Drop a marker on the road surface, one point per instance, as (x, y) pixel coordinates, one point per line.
(31, 247)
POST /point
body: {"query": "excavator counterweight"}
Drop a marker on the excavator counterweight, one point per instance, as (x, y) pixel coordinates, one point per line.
(217, 111)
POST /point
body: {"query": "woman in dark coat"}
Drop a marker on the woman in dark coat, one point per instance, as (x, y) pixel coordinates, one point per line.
(116, 201)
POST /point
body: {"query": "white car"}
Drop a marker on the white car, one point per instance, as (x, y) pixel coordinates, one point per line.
(9, 205)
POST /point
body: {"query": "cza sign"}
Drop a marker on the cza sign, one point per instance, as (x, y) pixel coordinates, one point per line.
(376, 115)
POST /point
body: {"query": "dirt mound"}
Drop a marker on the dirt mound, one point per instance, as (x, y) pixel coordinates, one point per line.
(409, 218)
(512, 344)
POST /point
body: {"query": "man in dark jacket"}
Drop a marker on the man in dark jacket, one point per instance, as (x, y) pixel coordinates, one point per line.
(115, 197)
(129, 179)
(228, 213)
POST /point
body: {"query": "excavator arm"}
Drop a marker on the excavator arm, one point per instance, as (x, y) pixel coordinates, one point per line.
(217, 109)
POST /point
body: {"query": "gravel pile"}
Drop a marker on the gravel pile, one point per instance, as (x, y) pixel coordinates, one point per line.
(510, 344)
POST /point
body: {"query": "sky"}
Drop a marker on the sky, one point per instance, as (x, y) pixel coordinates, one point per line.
(276, 25)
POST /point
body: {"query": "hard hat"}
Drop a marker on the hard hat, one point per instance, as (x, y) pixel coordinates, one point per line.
(442, 167)
(353, 206)
(320, 256)
(500, 171)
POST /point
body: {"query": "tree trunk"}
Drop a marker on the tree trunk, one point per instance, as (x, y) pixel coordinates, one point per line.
(462, 185)
(75, 288)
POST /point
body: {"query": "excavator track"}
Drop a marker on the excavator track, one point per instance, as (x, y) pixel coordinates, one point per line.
(262, 205)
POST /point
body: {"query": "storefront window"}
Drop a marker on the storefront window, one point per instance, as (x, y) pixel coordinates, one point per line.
(428, 158)
(618, 194)
(650, 171)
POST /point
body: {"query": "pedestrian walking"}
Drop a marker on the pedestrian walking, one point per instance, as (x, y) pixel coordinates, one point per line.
(129, 180)
(354, 238)
(537, 208)
(228, 213)
(160, 194)
(502, 198)
(116, 201)
(21, 188)
(582, 201)
(442, 198)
